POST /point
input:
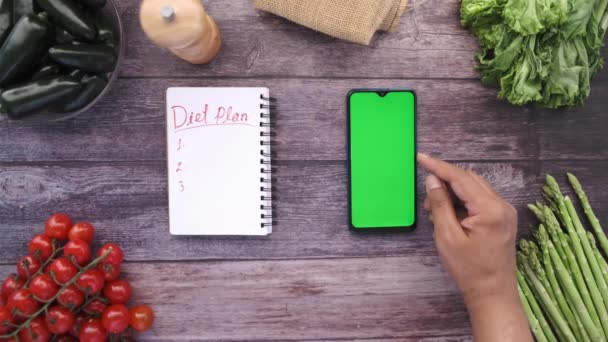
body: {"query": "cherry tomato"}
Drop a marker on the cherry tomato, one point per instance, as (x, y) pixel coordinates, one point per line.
(96, 307)
(79, 250)
(6, 319)
(115, 257)
(59, 320)
(141, 318)
(82, 231)
(118, 291)
(37, 332)
(22, 302)
(80, 319)
(62, 269)
(66, 338)
(11, 284)
(43, 287)
(41, 246)
(28, 266)
(92, 331)
(110, 271)
(71, 297)
(57, 226)
(115, 318)
(91, 281)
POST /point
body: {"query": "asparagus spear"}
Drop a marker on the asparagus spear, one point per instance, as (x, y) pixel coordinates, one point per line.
(538, 212)
(595, 223)
(557, 235)
(534, 324)
(592, 298)
(575, 270)
(603, 263)
(590, 267)
(538, 313)
(579, 323)
(574, 296)
(555, 315)
(532, 252)
(557, 292)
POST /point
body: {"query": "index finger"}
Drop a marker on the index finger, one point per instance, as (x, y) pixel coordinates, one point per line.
(464, 186)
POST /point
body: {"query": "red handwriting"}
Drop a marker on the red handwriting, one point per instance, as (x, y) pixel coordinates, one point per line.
(185, 119)
(224, 116)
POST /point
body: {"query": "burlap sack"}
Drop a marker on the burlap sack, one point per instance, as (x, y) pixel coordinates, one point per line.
(353, 20)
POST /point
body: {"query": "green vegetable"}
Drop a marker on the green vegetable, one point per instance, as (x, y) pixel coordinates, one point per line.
(538, 313)
(63, 37)
(22, 48)
(534, 323)
(77, 74)
(582, 251)
(70, 16)
(558, 295)
(46, 71)
(6, 18)
(30, 97)
(87, 57)
(538, 51)
(91, 87)
(572, 278)
(595, 223)
(600, 258)
(575, 298)
(23, 7)
(555, 316)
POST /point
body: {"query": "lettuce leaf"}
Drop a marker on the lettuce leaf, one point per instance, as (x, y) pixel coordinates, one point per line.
(538, 51)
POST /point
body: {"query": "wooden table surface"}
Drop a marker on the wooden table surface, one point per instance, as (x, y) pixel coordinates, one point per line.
(312, 279)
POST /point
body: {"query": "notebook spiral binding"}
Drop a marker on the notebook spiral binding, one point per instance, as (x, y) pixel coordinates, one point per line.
(266, 142)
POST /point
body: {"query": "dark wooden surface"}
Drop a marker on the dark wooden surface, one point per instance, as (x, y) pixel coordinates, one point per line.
(312, 279)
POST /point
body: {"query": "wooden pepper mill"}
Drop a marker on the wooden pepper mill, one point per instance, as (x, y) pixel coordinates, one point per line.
(183, 27)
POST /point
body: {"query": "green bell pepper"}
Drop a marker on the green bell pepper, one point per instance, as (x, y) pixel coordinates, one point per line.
(46, 71)
(62, 36)
(23, 47)
(23, 7)
(27, 98)
(6, 18)
(97, 58)
(67, 14)
(77, 74)
(92, 86)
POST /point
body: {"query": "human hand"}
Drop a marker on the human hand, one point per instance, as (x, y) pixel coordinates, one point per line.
(478, 251)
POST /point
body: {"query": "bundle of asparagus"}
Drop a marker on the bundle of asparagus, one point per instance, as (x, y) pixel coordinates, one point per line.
(563, 276)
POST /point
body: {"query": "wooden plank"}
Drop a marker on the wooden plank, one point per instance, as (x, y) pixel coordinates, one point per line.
(457, 119)
(298, 299)
(127, 202)
(430, 43)
(576, 133)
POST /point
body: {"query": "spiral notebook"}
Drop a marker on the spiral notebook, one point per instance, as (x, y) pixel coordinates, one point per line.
(219, 161)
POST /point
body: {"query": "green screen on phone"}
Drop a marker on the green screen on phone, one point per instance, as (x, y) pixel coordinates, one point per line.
(383, 159)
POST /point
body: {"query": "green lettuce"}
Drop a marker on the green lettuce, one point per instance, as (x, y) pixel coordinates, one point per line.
(538, 51)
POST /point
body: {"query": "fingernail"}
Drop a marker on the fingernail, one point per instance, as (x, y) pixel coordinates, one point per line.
(423, 156)
(432, 183)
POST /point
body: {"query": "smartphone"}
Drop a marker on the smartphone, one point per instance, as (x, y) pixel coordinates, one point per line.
(382, 154)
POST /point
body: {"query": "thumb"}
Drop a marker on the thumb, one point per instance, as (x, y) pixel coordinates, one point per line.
(441, 207)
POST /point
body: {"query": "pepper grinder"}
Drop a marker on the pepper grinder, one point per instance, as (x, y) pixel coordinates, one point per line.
(183, 27)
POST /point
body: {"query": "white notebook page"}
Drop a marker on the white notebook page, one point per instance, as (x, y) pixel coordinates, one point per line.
(213, 141)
